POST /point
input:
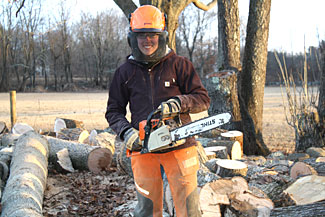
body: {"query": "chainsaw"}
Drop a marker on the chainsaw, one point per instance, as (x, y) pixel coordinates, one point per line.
(168, 132)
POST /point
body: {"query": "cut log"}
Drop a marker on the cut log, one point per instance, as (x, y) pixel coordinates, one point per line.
(234, 135)
(234, 149)
(73, 134)
(68, 123)
(26, 184)
(230, 168)
(212, 165)
(201, 153)
(58, 125)
(220, 151)
(317, 164)
(300, 169)
(215, 193)
(306, 190)
(320, 160)
(5, 159)
(83, 156)
(214, 133)
(315, 152)
(3, 127)
(251, 205)
(210, 155)
(9, 139)
(21, 128)
(64, 160)
(313, 209)
(123, 162)
(204, 176)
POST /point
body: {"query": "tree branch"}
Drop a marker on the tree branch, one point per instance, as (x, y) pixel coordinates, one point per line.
(127, 6)
(204, 7)
(20, 7)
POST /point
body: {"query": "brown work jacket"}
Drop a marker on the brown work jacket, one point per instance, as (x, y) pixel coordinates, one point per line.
(145, 88)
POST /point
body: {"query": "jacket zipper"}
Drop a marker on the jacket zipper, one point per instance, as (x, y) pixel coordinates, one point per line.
(151, 87)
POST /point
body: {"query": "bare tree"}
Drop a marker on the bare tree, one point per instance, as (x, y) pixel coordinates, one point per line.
(66, 42)
(55, 53)
(252, 78)
(197, 41)
(29, 21)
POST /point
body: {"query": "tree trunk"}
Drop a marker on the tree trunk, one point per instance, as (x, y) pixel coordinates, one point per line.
(83, 157)
(229, 50)
(223, 94)
(321, 99)
(314, 209)
(252, 78)
(23, 194)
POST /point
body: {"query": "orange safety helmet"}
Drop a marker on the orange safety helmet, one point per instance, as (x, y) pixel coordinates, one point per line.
(147, 18)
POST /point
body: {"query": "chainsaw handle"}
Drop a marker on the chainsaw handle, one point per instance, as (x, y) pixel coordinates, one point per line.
(147, 130)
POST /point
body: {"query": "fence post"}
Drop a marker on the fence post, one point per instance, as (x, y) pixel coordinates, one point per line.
(13, 115)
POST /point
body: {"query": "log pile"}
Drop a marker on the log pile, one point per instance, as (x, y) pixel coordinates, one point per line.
(230, 183)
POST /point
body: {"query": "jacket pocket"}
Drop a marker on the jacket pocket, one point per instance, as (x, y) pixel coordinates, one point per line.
(187, 160)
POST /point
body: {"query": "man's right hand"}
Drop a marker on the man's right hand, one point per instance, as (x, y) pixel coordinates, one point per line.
(131, 139)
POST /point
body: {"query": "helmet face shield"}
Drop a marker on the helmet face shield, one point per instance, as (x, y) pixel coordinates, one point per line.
(147, 21)
(139, 56)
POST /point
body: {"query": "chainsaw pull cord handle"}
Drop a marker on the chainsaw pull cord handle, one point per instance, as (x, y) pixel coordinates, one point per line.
(147, 130)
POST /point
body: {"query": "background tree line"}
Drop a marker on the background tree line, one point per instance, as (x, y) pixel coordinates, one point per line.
(62, 53)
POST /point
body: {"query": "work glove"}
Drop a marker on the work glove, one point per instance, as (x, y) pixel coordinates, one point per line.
(170, 108)
(131, 139)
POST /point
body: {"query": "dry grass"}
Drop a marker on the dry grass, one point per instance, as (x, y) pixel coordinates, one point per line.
(39, 110)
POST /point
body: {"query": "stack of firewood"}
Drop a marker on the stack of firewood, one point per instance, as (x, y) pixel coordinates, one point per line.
(230, 183)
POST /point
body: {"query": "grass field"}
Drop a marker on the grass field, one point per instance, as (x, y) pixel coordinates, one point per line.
(39, 110)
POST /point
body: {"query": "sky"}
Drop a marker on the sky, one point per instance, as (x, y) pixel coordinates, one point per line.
(294, 24)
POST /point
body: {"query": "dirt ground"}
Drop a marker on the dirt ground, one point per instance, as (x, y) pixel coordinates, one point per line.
(39, 110)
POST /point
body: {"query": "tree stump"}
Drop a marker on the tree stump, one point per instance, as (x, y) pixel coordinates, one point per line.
(234, 148)
(219, 151)
(23, 194)
(235, 135)
(223, 94)
(230, 168)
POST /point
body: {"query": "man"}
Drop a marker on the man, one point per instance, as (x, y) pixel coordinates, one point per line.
(154, 76)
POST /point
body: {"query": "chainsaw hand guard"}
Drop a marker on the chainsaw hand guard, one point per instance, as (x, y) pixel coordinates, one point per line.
(170, 108)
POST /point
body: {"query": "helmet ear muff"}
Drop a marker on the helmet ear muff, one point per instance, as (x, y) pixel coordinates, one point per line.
(129, 38)
(166, 22)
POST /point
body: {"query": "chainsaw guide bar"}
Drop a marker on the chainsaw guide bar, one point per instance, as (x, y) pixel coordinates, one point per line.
(199, 126)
